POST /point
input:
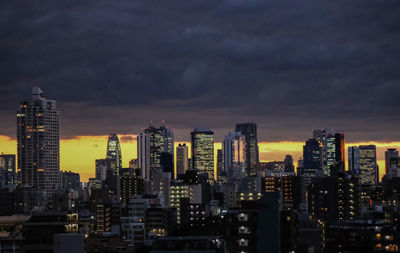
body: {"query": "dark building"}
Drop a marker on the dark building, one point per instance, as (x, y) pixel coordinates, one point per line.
(130, 185)
(39, 231)
(70, 181)
(249, 130)
(160, 221)
(335, 198)
(39, 143)
(312, 158)
(361, 236)
(292, 189)
(289, 167)
(255, 226)
(193, 216)
(167, 163)
(160, 140)
(8, 176)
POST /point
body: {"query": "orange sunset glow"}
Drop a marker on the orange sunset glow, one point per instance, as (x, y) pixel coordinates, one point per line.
(79, 154)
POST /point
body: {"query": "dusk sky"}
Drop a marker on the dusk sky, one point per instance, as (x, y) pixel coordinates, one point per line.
(290, 66)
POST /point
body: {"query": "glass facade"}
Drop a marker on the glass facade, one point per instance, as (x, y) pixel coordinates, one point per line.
(203, 151)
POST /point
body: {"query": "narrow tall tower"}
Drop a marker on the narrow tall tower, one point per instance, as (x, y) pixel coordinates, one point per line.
(203, 151)
(249, 130)
(114, 152)
(38, 143)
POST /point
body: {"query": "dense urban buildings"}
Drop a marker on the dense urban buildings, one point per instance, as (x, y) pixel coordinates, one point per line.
(167, 202)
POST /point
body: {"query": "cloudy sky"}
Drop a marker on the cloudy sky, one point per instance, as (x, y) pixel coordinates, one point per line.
(290, 66)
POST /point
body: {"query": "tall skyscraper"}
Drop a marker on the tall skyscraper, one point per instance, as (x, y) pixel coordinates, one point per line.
(203, 151)
(288, 163)
(182, 159)
(220, 162)
(354, 159)
(114, 152)
(234, 150)
(249, 130)
(390, 153)
(39, 143)
(161, 140)
(368, 165)
(312, 158)
(8, 177)
(332, 150)
(143, 155)
(362, 160)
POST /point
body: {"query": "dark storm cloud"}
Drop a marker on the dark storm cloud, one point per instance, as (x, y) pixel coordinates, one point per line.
(288, 65)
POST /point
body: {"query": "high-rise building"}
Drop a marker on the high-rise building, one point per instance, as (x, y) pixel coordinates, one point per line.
(114, 152)
(362, 161)
(39, 143)
(288, 162)
(8, 177)
(332, 150)
(249, 130)
(354, 159)
(368, 165)
(234, 150)
(143, 155)
(103, 166)
(203, 151)
(390, 153)
(312, 158)
(161, 140)
(182, 159)
(220, 162)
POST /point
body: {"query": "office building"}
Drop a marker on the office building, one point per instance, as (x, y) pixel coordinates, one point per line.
(362, 161)
(249, 131)
(8, 176)
(234, 155)
(332, 150)
(312, 158)
(38, 143)
(114, 152)
(182, 159)
(203, 151)
(390, 154)
(161, 140)
(143, 155)
(369, 173)
(354, 159)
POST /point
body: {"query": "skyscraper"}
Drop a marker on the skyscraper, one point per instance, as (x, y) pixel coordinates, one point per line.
(354, 159)
(312, 158)
(368, 165)
(390, 153)
(114, 152)
(182, 159)
(234, 150)
(249, 130)
(203, 151)
(143, 155)
(332, 149)
(161, 140)
(288, 163)
(39, 143)
(7, 171)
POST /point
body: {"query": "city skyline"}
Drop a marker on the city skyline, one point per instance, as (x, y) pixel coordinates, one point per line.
(94, 147)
